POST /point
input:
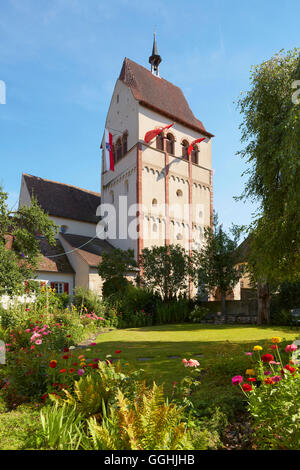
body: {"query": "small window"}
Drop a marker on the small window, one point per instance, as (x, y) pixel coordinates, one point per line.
(179, 193)
(160, 142)
(118, 98)
(185, 146)
(124, 142)
(170, 144)
(119, 149)
(195, 155)
(179, 236)
(126, 187)
(154, 228)
(154, 202)
(112, 197)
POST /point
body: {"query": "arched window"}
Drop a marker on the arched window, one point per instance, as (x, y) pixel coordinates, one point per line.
(195, 154)
(170, 144)
(154, 228)
(185, 146)
(160, 142)
(154, 202)
(126, 185)
(125, 136)
(119, 149)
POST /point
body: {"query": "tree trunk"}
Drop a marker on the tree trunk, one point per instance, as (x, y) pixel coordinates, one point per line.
(263, 298)
(224, 310)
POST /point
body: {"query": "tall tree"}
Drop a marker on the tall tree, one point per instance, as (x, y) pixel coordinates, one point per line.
(217, 262)
(166, 270)
(270, 132)
(113, 269)
(19, 247)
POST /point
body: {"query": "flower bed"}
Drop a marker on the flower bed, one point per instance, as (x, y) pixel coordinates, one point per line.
(272, 390)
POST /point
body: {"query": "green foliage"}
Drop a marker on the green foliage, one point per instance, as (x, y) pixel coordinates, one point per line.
(113, 269)
(166, 270)
(216, 262)
(146, 424)
(87, 300)
(175, 311)
(274, 406)
(270, 132)
(98, 388)
(20, 228)
(198, 314)
(61, 427)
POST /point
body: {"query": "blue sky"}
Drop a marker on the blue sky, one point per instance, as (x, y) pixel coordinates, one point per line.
(60, 60)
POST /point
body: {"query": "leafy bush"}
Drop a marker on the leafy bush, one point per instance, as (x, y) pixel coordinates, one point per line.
(172, 312)
(86, 300)
(198, 314)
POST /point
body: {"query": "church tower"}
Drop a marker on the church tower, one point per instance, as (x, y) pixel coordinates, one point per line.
(160, 194)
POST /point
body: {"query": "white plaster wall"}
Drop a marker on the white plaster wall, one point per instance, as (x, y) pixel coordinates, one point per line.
(75, 227)
(49, 277)
(80, 267)
(149, 119)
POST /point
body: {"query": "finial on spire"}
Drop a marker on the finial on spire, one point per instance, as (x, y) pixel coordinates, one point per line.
(155, 58)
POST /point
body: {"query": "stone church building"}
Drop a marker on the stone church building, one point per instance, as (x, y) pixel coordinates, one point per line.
(164, 195)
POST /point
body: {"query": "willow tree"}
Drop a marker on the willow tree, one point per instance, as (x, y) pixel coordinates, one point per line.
(271, 134)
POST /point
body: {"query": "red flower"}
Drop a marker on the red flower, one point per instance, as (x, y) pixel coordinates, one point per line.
(62, 371)
(53, 364)
(267, 358)
(44, 397)
(71, 371)
(118, 351)
(274, 346)
(66, 356)
(75, 363)
(289, 368)
(95, 366)
(247, 388)
(66, 349)
(251, 379)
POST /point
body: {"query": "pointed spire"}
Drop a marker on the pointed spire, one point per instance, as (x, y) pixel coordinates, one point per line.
(155, 58)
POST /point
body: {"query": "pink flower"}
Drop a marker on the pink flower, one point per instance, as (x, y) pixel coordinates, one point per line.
(291, 348)
(28, 330)
(185, 362)
(80, 372)
(249, 353)
(93, 344)
(193, 363)
(38, 342)
(276, 378)
(238, 379)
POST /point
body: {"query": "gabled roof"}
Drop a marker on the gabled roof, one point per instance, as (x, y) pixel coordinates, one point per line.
(53, 258)
(64, 200)
(160, 95)
(89, 249)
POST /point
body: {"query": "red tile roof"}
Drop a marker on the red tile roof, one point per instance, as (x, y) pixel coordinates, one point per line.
(160, 95)
(53, 259)
(89, 249)
(64, 200)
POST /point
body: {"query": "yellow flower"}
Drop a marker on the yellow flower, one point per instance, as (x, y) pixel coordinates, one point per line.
(250, 372)
(276, 339)
(257, 348)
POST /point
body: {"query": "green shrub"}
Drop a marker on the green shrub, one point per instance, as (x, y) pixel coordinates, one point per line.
(172, 312)
(198, 314)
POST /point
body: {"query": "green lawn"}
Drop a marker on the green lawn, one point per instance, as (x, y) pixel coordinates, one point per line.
(185, 341)
(223, 349)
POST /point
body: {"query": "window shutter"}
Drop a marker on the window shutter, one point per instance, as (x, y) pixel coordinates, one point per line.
(52, 284)
(66, 288)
